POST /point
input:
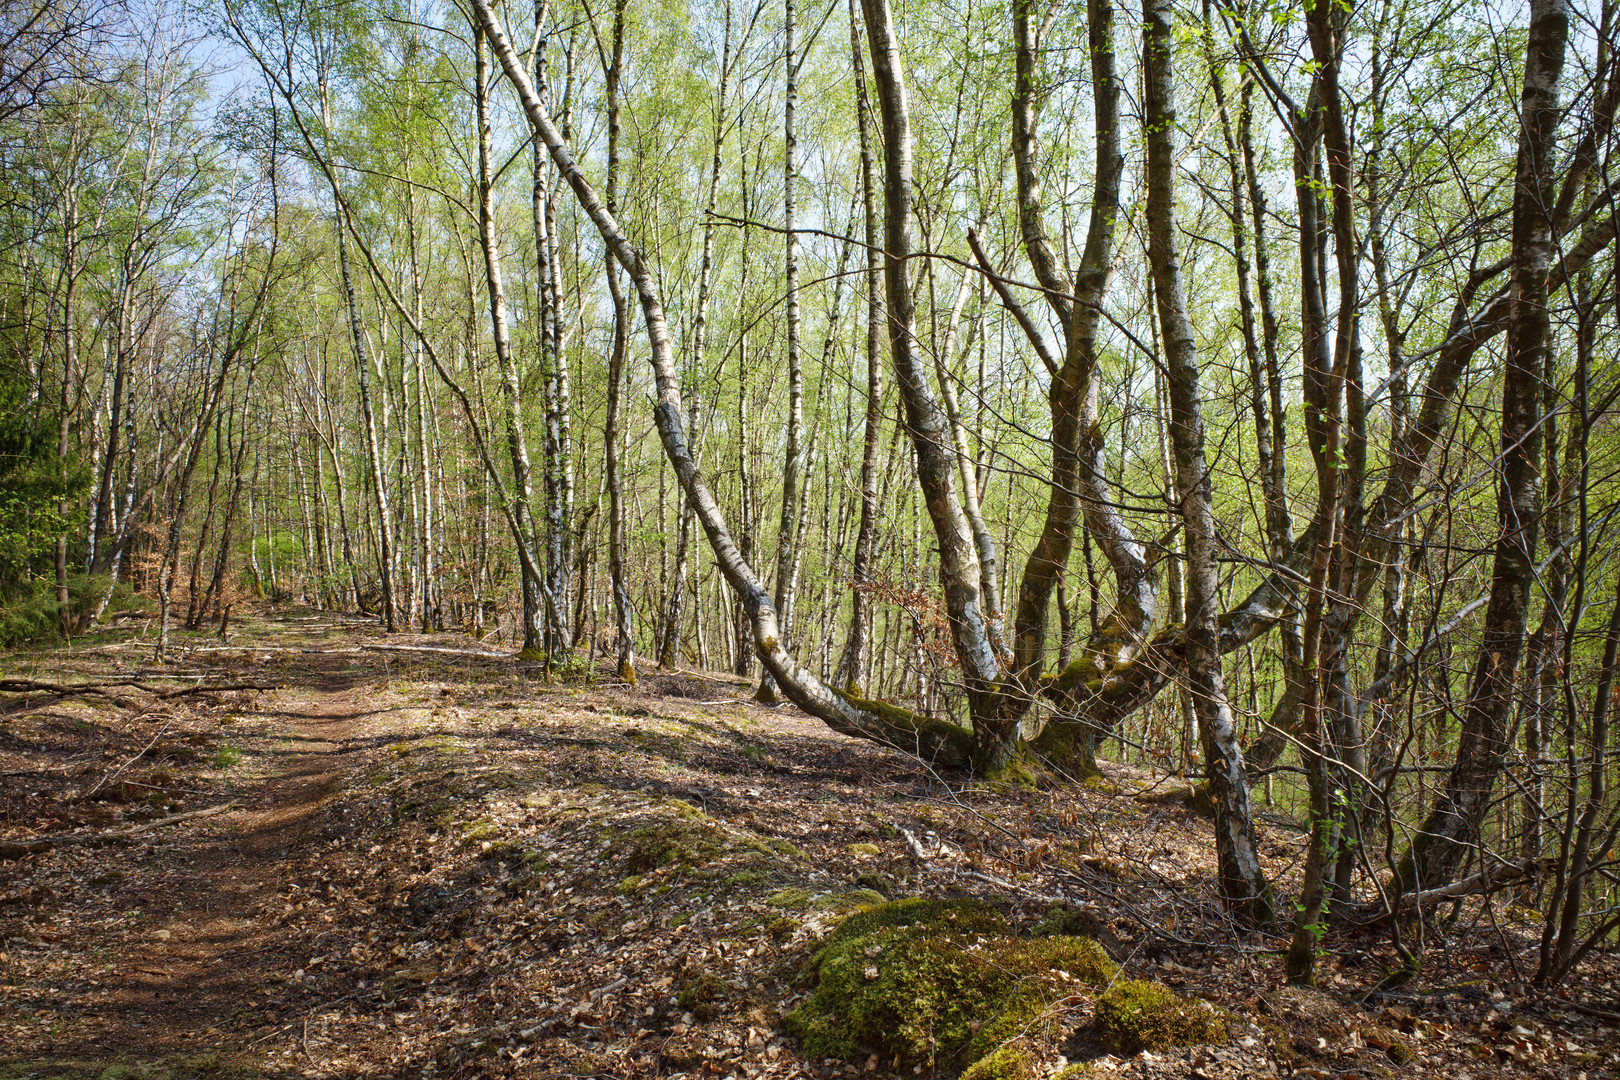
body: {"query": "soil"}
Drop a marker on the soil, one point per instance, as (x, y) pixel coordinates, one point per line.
(314, 850)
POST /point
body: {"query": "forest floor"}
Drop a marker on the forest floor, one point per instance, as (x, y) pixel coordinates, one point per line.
(316, 851)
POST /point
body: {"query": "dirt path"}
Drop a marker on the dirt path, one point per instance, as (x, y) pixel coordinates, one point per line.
(208, 940)
(169, 951)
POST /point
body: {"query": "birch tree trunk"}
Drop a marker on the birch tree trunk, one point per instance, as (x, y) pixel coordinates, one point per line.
(791, 464)
(854, 667)
(379, 482)
(959, 569)
(1243, 884)
(616, 357)
(670, 637)
(516, 438)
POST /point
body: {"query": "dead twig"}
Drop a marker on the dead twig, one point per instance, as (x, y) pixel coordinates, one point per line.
(110, 777)
(17, 849)
(105, 689)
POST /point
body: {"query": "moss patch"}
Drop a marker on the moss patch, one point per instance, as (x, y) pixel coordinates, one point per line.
(1009, 1062)
(792, 898)
(680, 842)
(477, 831)
(703, 994)
(1135, 1015)
(937, 982)
(1015, 772)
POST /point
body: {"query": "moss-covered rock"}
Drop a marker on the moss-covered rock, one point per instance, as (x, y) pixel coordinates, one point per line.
(931, 981)
(1135, 1015)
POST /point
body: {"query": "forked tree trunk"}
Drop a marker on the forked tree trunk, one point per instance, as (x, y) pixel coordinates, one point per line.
(1079, 490)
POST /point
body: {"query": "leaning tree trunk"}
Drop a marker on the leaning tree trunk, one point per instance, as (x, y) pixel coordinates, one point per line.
(1451, 829)
(931, 739)
(1242, 881)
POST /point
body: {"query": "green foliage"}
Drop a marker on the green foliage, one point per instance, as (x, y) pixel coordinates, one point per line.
(934, 980)
(29, 610)
(34, 482)
(1135, 1015)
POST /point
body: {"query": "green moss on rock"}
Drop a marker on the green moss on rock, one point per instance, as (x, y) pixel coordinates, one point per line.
(931, 981)
(1135, 1015)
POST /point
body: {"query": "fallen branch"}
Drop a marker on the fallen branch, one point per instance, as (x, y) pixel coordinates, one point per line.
(1486, 881)
(18, 848)
(1604, 1014)
(687, 673)
(105, 689)
(487, 654)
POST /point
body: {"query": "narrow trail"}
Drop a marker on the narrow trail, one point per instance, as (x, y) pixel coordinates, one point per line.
(223, 876)
(174, 939)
